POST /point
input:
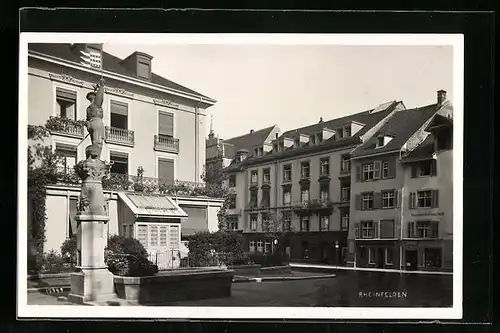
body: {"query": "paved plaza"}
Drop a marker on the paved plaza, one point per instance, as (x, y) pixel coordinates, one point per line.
(348, 288)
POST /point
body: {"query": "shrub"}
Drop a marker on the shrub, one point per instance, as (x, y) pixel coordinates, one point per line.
(68, 251)
(126, 256)
(210, 249)
(268, 260)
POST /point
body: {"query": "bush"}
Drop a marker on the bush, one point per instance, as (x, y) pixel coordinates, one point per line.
(126, 256)
(68, 251)
(211, 249)
(268, 260)
(51, 263)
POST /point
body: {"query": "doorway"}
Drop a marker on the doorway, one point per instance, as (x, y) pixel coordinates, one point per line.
(380, 257)
(411, 259)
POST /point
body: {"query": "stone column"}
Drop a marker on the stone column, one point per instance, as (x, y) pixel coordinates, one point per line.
(93, 282)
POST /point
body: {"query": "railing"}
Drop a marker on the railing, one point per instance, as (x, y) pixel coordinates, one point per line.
(65, 126)
(119, 136)
(166, 143)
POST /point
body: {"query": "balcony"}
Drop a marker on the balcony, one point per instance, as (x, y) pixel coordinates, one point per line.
(65, 127)
(166, 144)
(119, 136)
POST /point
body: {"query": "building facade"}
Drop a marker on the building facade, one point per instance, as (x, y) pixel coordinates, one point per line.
(154, 137)
(294, 196)
(401, 211)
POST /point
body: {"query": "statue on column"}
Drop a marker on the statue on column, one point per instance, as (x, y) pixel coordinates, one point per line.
(95, 125)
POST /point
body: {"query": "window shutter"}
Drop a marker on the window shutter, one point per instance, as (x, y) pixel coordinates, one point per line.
(358, 201)
(358, 173)
(411, 203)
(166, 124)
(377, 200)
(119, 108)
(377, 166)
(433, 168)
(414, 169)
(356, 230)
(166, 171)
(66, 95)
(411, 229)
(392, 168)
(435, 198)
(397, 199)
(434, 229)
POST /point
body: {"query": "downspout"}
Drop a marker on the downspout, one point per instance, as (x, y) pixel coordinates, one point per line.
(401, 223)
(196, 143)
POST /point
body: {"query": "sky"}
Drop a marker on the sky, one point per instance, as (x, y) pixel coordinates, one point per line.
(257, 86)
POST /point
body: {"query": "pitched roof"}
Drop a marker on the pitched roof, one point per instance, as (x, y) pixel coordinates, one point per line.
(368, 118)
(109, 62)
(250, 140)
(400, 127)
(423, 151)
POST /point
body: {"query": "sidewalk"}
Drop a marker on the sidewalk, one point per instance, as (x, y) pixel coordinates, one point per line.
(319, 266)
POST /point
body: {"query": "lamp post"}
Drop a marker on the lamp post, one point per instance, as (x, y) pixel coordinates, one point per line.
(337, 252)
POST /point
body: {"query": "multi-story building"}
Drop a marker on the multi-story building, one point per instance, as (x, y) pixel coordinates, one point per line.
(301, 183)
(393, 185)
(154, 137)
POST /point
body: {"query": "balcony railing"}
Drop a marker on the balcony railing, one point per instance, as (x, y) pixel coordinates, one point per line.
(166, 143)
(119, 136)
(64, 126)
(123, 182)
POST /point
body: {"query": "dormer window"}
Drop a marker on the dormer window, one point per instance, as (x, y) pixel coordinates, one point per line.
(320, 137)
(340, 133)
(143, 69)
(296, 144)
(312, 139)
(140, 64)
(382, 141)
(347, 132)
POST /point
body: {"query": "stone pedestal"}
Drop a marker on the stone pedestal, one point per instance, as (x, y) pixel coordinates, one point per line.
(94, 282)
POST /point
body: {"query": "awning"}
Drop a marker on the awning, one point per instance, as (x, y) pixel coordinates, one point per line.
(150, 205)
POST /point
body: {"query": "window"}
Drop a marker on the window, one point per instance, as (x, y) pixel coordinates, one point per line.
(345, 163)
(367, 201)
(324, 223)
(287, 197)
(347, 131)
(232, 181)
(287, 173)
(266, 176)
(304, 223)
(259, 246)
(344, 222)
(312, 139)
(253, 222)
(232, 223)
(143, 69)
(95, 57)
(304, 195)
(174, 238)
(427, 229)
(142, 234)
(324, 167)
(118, 114)
(346, 193)
(424, 169)
(66, 103)
(166, 171)
(304, 170)
(380, 141)
(67, 158)
(120, 163)
(267, 248)
(153, 235)
(324, 193)
(166, 124)
(266, 198)
(444, 139)
(387, 229)
(296, 143)
(251, 246)
(385, 169)
(432, 257)
(388, 256)
(388, 199)
(424, 199)
(371, 255)
(340, 133)
(366, 230)
(254, 177)
(368, 171)
(163, 235)
(287, 220)
(253, 198)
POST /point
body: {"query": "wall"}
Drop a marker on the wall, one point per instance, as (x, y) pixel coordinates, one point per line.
(143, 119)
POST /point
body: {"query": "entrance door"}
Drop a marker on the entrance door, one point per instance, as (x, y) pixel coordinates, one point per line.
(411, 259)
(380, 257)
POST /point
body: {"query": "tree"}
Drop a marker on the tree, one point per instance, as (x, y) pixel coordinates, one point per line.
(277, 228)
(214, 177)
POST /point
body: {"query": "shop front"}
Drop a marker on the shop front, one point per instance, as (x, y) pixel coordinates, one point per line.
(382, 254)
(425, 255)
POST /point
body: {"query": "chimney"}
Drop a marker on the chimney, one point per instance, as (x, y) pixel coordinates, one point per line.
(320, 120)
(251, 131)
(441, 97)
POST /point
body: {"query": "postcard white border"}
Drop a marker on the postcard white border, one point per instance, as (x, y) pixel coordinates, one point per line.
(455, 312)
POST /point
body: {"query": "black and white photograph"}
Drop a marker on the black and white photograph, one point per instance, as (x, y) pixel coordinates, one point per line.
(240, 176)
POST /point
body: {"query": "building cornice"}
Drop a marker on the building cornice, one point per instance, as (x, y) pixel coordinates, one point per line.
(119, 77)
(388, 152)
